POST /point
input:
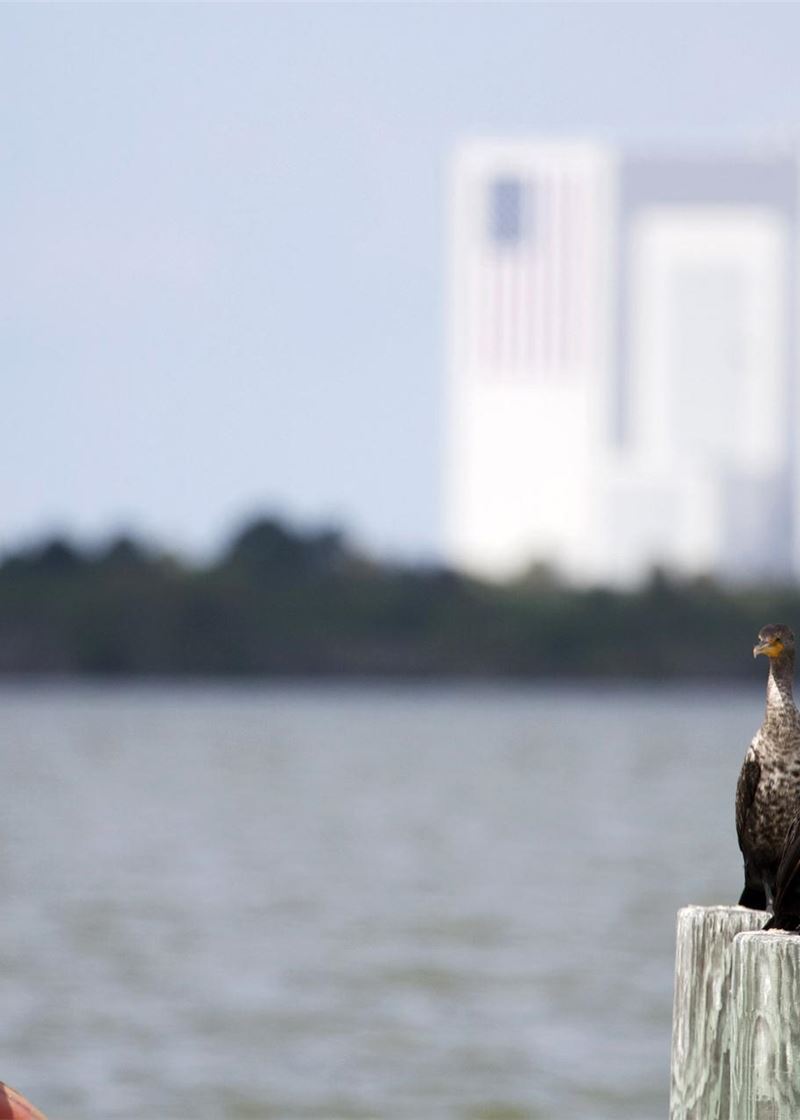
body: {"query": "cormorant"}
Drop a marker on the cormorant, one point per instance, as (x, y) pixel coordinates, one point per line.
(768, 790)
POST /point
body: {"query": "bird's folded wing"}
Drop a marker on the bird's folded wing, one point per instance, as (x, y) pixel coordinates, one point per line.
(789, 868)
(746, 791)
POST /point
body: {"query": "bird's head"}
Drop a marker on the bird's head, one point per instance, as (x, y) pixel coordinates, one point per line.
(774, 641)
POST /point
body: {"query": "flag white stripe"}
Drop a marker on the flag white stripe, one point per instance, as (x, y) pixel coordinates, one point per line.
(530, 301)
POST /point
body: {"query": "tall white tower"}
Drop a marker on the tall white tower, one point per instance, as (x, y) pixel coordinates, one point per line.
(709, 403)
(699, 474)
(530, 329)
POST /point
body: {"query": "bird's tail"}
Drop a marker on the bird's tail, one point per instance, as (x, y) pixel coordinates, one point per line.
(785, 920)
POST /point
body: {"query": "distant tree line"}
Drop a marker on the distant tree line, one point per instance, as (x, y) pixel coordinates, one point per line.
(281, 602)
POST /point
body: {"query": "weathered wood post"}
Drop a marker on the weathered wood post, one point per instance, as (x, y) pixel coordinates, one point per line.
(702, 1010)
(765, 1045)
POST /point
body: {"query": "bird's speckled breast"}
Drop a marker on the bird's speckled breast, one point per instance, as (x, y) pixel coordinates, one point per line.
(777, 798)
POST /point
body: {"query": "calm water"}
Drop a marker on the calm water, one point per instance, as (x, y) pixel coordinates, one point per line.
(336, 903)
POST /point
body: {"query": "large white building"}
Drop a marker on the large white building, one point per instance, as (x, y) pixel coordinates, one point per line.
(623, 363)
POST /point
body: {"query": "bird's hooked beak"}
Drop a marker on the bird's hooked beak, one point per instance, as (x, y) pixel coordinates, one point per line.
(770, 647)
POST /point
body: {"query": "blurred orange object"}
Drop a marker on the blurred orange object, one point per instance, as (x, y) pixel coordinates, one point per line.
(13, 1106)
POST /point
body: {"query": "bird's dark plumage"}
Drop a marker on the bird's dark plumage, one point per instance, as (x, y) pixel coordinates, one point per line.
(768, 790)
(787, 883)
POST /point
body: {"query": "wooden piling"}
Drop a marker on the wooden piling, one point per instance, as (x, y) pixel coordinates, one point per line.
(702, 1010)
(765, 1050)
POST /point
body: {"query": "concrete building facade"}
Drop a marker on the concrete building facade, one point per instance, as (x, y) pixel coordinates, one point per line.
(622, 363)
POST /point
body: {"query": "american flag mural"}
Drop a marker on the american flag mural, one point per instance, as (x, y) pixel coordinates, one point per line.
(531, 274)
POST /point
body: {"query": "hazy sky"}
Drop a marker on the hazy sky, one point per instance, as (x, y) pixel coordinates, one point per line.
(223, 235)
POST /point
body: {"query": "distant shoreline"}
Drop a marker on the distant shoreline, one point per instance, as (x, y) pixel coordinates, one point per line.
(283, 605)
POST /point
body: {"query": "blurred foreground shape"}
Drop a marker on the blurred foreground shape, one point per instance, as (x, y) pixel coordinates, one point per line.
(13, 1106)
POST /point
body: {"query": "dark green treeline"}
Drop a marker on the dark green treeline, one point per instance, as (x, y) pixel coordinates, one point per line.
(279, 602)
